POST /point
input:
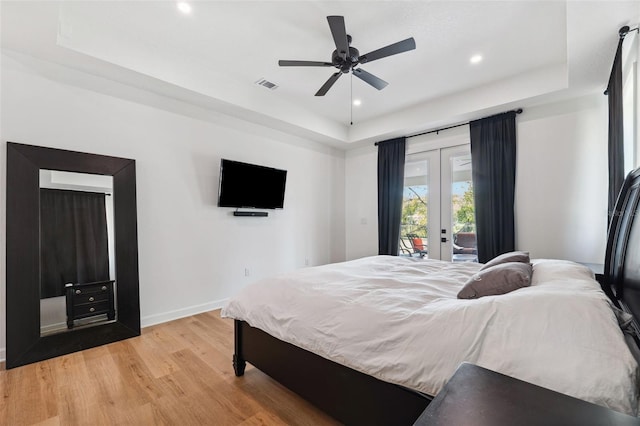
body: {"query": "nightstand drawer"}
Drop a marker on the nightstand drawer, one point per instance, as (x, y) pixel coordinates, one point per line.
(92, 289)
(91, 309)
(81, 299)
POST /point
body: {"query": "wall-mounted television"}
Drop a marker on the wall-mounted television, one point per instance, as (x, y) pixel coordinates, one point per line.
(250, 185)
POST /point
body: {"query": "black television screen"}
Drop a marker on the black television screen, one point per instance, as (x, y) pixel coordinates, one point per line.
(250, 185)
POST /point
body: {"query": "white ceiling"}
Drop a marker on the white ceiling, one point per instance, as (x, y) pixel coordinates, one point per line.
(532, 51)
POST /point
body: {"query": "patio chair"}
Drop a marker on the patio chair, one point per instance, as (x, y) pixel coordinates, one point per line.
(405, 247)
(418, 244)
(465, 243)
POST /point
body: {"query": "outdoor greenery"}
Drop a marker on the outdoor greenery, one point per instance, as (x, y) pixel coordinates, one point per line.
(464, 213)
(414, 212)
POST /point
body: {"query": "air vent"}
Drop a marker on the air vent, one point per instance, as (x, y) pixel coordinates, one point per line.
(266, 83)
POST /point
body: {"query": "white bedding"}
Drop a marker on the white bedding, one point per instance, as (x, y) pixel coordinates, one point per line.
(398, 319)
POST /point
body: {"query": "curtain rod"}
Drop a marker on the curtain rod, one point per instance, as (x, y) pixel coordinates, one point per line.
(79, 191)
(517, 111)
(622, 33)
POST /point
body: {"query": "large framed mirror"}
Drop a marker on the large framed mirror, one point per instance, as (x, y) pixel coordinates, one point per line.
(53, 309)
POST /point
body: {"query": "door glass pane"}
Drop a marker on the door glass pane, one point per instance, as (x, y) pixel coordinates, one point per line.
(463, 223)
(415, 201)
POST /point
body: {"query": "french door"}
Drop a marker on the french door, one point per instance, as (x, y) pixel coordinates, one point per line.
(438, 219)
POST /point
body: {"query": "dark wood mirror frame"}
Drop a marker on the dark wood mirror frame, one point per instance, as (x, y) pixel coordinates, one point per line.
(24, 342)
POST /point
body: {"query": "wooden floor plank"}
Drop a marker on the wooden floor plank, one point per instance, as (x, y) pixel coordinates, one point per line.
(263, 418)
(77, 395)
(53, 421)
(152, 352)
(176, 373)
(23, 390)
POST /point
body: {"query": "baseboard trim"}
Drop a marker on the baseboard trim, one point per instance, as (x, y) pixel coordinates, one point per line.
(62, 326)
(150, 320)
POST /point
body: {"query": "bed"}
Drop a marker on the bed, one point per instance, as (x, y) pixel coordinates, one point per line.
(371, 341)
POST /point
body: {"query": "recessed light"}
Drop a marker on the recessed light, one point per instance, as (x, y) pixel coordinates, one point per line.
(475, 59)
(357, 102)
(184, 7)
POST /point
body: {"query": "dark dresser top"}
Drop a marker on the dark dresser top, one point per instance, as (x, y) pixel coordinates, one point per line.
(475, 396)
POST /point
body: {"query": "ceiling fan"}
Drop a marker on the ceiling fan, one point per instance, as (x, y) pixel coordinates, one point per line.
(346, 58)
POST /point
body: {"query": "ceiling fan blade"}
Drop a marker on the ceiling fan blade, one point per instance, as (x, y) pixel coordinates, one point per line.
(392, 49)
(326, 86)
(284, 63)
(376, 82)
(339, 33)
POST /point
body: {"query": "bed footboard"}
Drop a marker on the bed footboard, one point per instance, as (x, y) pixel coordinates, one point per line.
(347, 395)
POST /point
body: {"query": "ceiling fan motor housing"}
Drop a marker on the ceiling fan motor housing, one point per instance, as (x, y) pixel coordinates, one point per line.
(345, 65)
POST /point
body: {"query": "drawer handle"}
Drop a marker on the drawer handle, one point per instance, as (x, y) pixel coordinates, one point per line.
(91, 299)
(78, 291)
(104, 288)
(92, 309)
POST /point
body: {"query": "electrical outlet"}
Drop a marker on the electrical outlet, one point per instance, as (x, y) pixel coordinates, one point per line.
(247, 272)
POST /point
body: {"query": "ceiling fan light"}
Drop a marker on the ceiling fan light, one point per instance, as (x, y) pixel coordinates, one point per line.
(184, 7)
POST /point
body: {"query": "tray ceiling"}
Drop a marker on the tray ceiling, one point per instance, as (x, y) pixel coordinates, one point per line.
(213, 56)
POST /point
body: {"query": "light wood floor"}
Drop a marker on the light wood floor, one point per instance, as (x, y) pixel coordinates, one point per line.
(177, 373)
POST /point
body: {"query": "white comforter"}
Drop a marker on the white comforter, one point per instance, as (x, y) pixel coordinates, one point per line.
(398, 319)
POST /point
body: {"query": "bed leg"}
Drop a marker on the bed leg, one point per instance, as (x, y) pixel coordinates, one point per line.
(238, 365)
(238, 362)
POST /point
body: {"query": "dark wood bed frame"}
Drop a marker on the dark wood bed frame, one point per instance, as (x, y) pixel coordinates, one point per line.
(347, 395)
(356, 398)
(622, 258)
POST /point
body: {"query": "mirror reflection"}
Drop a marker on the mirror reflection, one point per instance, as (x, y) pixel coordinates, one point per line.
(77, 262)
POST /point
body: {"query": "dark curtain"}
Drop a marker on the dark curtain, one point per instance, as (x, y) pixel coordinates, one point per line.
(73, 239)
(616, 135)
(391, 155)
(493, 160)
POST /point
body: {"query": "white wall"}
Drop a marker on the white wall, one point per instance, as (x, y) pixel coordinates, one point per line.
(561, 183)
(561, 192)
(361, 205)
(192, 254)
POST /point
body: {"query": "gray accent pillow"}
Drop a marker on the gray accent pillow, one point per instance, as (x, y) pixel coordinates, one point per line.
(498, 279)
(512, 256)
